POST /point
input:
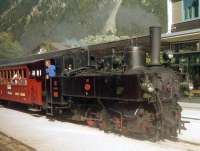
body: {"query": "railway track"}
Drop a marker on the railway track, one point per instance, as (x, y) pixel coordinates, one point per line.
(178, 144)
(189, 142)
(191, 118)
(10, 144)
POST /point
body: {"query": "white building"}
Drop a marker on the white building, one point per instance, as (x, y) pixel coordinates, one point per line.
(183, 25)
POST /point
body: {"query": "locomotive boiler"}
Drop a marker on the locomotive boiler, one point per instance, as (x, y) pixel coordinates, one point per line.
(113, 90)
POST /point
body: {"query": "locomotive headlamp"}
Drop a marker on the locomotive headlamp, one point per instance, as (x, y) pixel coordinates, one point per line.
(148, 87)
(170, 55)
(187, 85)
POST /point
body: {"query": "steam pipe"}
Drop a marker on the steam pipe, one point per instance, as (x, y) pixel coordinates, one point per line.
(155, 38)
(88, 57)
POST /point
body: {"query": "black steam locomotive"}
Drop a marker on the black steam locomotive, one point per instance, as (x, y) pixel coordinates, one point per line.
(112, 89)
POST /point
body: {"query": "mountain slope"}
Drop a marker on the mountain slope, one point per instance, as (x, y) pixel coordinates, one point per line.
(35, 21)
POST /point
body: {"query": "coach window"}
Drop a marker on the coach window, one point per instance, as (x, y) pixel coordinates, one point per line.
(0, 77)
(10, 74)
(25, 75)
(3, 74)
(33, 73)
(13, 73)
(22, 73)
(6, 74)
(68, 62)
(38, 73)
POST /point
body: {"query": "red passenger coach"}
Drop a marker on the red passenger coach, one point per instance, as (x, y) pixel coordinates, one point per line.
(21, 84)
(24, 80)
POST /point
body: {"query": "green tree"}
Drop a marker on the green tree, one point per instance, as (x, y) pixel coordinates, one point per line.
(9, 47)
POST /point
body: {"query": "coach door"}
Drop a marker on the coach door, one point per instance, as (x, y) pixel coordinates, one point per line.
(49, 84)
(53, 84)
(35, 83)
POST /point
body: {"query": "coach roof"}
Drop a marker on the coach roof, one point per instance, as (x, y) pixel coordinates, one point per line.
(99, 49)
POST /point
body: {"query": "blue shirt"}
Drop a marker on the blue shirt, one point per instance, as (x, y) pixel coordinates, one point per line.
(51, 71)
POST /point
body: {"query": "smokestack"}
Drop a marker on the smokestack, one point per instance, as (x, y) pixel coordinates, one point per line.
(135, 57)
(155, 37)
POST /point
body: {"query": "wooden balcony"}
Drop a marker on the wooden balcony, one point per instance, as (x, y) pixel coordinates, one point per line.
(193, 24)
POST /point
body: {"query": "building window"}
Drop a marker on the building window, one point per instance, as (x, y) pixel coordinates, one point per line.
(191, 9)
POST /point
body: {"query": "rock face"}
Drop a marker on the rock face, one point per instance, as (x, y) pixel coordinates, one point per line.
(38, 20)
(110, 26)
